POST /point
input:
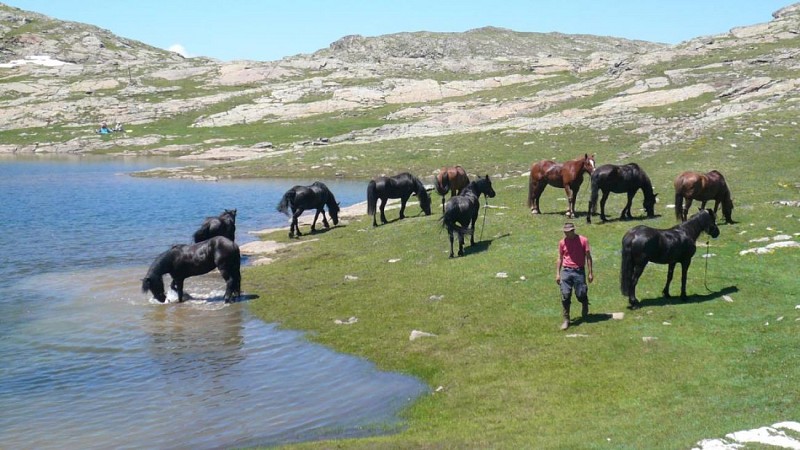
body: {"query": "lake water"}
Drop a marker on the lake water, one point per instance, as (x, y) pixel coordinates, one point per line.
(88, 361)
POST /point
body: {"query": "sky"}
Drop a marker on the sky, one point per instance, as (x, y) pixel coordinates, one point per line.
(268, 30)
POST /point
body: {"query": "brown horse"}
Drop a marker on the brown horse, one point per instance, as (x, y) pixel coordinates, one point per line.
(453, 179)
(567, 175)
(702, 187)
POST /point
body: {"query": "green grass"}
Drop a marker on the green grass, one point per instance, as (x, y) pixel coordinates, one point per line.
(510, 378)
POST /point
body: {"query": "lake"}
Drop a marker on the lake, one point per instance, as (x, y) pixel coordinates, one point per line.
(89, 361)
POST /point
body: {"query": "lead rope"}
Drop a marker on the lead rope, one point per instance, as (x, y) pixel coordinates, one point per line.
(705, 273)
(485, 207)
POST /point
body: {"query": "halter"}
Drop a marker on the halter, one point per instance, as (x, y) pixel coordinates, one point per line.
(486, 197)
(705, 272)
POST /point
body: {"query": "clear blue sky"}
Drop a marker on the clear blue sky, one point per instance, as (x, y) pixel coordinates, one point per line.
(268, 30)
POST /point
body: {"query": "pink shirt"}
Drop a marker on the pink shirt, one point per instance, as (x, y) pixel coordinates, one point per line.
(573, 251)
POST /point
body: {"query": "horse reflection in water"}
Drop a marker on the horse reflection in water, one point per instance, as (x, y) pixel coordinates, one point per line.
(642, 245)
(300, 198)
(194, 340)
(223, 225)
(461, 212)
(184, 261)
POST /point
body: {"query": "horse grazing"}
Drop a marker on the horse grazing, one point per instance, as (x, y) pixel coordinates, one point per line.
(642, 244)
(703, 187)
(463, 209)
(184, 261)
(627, 178)
(301, 198)
(399, 186)
(224, 225)
(453, 179)
(567, 175)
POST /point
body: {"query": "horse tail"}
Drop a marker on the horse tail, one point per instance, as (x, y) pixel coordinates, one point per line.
(442, 183)
(626, 267)
(286, 201)
(531, 189)
(678, 205)
(372, 197)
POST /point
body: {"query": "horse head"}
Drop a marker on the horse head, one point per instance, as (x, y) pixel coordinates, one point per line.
(333, 210)
(649, 205)
(230, 213)
(424, 197)
(486, 187)
(588, 163)
(712, 228)
(156, 286)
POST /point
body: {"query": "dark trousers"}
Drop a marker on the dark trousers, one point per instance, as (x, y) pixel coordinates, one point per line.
(573, 280)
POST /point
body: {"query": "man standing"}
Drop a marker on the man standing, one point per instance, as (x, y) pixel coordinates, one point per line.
(574, 258)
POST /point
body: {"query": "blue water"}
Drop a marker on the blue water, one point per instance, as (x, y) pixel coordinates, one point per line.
(88, 361)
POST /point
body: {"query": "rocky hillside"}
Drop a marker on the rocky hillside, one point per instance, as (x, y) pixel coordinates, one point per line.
(60, 79)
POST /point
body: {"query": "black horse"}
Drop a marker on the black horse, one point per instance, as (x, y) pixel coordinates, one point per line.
(627, 178)
(642, 244)
(224, 225)
(316, 196)
(184, 261)
(463, 209)
(399, 186)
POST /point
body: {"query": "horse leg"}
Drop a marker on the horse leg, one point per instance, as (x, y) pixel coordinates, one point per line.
(294, 223)
(684, 273)
(314, 222)
(403, 201)
(626, 211)
(231, 277)
(177, 284)
(670, 271)
(450, 232)
(538, 188)
(460, 243)
(603, 206)
(383, 215)
(324, 219)
(685, 214)
(571, 194)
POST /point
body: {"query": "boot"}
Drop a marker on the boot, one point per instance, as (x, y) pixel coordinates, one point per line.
(565, 315)
(585, 309)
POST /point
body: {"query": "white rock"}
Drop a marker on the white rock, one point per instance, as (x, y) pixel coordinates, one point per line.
(350, 277)
(416, 334)
(727, 298)
(618, 315)
(501, 275)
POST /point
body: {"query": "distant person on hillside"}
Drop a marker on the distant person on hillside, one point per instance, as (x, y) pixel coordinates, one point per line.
(574, 260)
(104, 129)
(118, 127)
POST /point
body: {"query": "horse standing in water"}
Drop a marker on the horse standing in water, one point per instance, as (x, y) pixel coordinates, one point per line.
(703, 187)
(224, 225)
(453, 179)
(642, 244)
(184, 261)
(463, 209)
(301, 198)
(399, 186)
(568, 175)
(628, 178)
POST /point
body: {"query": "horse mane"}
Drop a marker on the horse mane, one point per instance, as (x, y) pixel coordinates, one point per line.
(698, 222)
(333, 206)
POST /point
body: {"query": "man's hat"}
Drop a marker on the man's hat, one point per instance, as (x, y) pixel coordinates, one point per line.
(569, 226)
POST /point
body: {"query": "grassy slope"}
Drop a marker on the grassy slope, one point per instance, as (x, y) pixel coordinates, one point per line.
(510, 378)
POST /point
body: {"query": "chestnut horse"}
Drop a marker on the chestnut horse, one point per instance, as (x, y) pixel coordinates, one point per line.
(567, 175)
(702, 187)
(453, 179)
